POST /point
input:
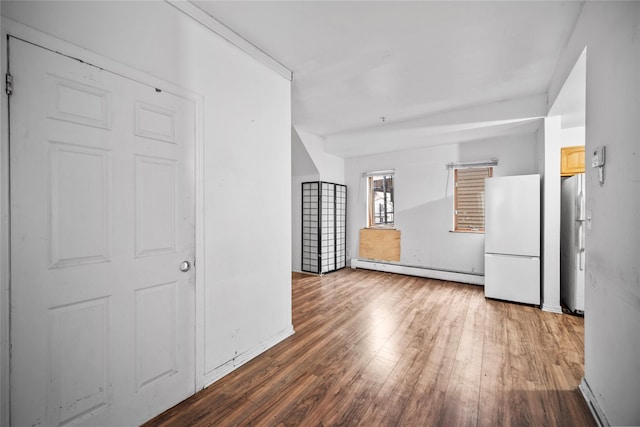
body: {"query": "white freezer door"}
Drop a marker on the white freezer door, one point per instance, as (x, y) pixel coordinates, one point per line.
(512, 215)
(512, 278)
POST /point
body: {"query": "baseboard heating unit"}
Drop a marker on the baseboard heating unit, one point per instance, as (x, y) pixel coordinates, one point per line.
(413, 270)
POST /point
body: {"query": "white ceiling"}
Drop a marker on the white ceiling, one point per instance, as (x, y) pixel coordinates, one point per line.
(413, 63)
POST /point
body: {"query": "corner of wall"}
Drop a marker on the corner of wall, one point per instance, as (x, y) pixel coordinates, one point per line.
(4, 247)
(330, 167)
(592, 403)
(611, 383)
(551, 215)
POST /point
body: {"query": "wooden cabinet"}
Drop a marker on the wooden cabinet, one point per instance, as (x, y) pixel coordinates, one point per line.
(572, 160)
(380, 244)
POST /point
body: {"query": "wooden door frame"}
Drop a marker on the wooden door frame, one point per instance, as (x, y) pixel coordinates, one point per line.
(12, 28)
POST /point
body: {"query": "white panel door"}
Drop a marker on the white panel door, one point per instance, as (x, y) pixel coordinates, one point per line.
(102, 215)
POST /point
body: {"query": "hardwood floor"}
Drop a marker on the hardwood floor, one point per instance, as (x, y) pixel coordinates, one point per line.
(378, 349)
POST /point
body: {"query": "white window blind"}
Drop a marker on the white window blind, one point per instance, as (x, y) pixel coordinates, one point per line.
(469, 198)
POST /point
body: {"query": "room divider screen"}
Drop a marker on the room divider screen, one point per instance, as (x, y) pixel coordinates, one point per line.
(324, 227)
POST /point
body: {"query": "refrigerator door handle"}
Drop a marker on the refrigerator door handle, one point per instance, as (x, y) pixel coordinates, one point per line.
(580, 202)
(581, 247)
(491, 254)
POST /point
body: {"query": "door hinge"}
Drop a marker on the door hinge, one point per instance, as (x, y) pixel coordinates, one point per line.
(8, 84)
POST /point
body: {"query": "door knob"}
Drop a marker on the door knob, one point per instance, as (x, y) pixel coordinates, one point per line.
(185, 266)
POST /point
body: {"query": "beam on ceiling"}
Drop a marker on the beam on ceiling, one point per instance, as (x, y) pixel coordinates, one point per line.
(229, 35)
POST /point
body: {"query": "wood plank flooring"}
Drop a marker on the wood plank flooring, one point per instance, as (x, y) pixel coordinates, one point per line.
(378, 349)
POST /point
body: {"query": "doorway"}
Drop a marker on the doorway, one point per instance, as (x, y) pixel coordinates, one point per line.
(570, 105)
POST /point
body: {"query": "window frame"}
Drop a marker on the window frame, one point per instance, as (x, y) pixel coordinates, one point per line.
(371, 214)
(457, 228)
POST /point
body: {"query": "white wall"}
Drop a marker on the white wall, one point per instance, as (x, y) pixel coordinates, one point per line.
(4, 273)
(551, 215)
(610, 31)
(424, 198)
(573, 136)
(246, 125)
(330, 167)
(303, 169)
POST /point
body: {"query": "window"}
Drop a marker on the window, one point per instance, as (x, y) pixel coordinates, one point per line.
(468, 198)
(380, 201)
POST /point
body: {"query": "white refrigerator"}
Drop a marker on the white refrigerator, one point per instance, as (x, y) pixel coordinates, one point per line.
(572, 224)
(512, 238)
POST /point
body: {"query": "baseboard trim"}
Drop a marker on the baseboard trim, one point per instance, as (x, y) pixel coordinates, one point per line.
(589, 397)
(551, 308)
(233, 364)
(413, 270)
